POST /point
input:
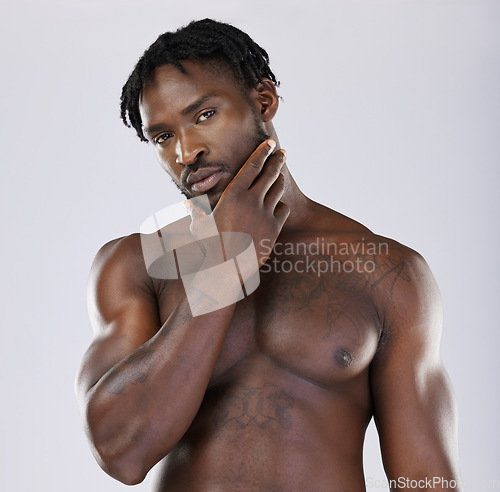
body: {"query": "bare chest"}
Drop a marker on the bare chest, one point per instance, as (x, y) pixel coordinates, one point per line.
(323, 328)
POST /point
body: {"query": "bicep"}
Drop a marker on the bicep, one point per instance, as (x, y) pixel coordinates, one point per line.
(415, 415)
(122, 309)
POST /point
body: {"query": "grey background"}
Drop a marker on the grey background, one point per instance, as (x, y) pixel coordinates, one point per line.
(391, 115)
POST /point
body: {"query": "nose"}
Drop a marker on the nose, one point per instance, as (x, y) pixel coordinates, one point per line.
(188, 149)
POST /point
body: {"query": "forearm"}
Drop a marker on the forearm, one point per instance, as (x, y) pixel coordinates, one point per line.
(140, 408)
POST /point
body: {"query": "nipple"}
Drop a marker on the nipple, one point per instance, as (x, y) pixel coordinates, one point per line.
(342, 357)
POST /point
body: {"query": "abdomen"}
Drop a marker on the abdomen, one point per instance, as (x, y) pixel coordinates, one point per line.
(269, 430)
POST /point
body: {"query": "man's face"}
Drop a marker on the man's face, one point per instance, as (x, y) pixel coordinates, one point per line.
(202, 127)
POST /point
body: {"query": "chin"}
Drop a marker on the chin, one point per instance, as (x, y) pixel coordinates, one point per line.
(214, 200)
(213, 196)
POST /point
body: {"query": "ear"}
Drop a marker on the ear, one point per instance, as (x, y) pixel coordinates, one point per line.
(265, 99)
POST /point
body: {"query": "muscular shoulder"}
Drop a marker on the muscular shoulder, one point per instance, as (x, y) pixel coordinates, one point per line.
(118, 272)
(405, 293)
(124, 253)
(399, 272)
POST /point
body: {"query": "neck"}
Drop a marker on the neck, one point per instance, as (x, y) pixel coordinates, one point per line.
(299, 204)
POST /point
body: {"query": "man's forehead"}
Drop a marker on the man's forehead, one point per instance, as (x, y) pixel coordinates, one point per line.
(204, 70)
(171, 90)
(167, 82)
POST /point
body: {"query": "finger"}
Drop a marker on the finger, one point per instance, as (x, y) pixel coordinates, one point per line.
(254, 164)
(270, 173)
(281, 212)
(275, 192)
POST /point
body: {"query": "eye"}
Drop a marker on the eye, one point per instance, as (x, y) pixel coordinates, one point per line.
(163, 137)
(205, 115)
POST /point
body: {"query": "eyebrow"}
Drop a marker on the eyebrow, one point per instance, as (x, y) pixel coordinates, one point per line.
(196, 105)
(155, 128)
(189, 109)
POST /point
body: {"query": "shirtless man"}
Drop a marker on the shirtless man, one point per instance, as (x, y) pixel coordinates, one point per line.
(274, 392)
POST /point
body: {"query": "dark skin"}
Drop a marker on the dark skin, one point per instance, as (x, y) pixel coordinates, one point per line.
(273, 393)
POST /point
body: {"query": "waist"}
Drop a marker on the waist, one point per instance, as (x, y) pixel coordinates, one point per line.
(261, 466)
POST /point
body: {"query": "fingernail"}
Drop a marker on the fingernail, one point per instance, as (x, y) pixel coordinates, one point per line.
(271, 143)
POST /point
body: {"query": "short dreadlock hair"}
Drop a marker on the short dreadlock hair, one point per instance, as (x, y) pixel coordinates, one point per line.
(203, 40)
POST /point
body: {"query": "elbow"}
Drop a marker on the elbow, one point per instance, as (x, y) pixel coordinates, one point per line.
(117, 449)
(126, 475)
(125, 466)
(126, 460)
(125, 448)
(125, 454)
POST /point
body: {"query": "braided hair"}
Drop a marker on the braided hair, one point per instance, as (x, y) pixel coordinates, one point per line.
(203, 40)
